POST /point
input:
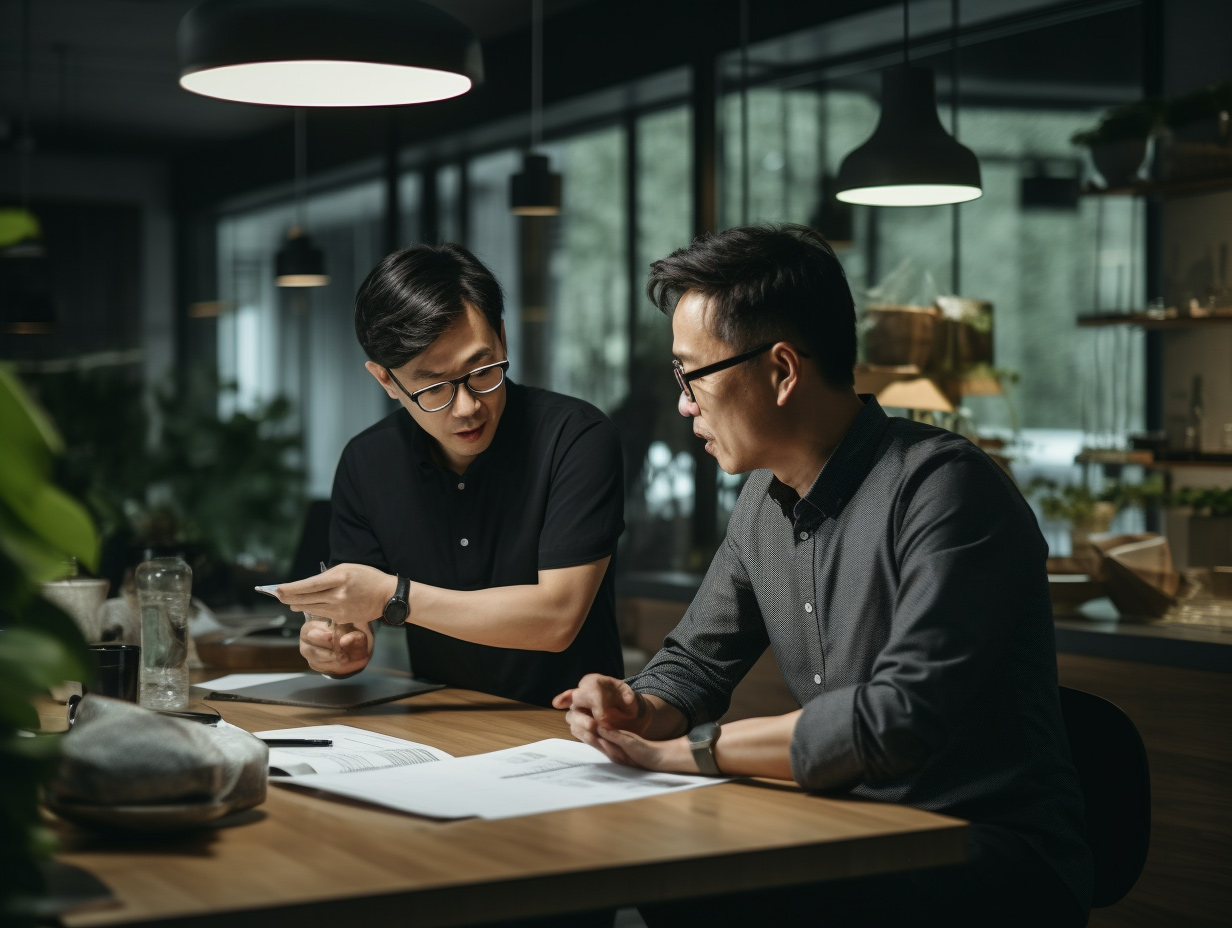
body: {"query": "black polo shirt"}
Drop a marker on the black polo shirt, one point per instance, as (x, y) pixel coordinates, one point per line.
(547, 493)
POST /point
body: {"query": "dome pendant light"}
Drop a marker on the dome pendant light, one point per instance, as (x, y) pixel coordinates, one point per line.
(535, 190)
(909, 160)
(326, 52)
(299, 263)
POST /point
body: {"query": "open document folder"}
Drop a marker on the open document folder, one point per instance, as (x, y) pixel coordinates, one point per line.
(542, 777)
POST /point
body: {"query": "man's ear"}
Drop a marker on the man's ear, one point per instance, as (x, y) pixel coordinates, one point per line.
(785, 367)
(383, 378)
(502, 337)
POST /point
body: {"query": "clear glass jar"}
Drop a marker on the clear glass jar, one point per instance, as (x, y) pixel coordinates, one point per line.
(164, 597)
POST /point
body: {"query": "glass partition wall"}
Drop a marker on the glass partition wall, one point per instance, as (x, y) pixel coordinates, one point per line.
(578, 320)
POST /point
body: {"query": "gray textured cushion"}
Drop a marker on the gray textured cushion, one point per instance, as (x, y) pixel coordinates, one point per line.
(120, 754)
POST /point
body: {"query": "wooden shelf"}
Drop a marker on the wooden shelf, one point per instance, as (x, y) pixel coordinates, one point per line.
(1145, 321)
(1189, 464)
(1114, 456)
(1164, 188)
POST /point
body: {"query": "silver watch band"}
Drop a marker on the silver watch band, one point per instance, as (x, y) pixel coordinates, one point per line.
(702, 739)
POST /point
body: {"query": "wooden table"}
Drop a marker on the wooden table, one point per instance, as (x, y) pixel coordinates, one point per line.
(300, 860)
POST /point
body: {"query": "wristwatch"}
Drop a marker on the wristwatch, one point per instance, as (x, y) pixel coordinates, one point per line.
(702, 739)
(398, 607)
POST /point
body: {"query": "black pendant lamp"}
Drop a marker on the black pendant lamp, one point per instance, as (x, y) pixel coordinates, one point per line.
(535, 190)
(909, 160)
(299, 263)
(326, 52)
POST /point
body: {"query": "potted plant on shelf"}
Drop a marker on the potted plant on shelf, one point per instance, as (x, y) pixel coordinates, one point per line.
(1209, 533)
(1088, 512)
(40, 528)
(1196, 140)
(1118, 145)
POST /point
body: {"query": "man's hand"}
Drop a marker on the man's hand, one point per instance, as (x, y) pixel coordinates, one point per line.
(600, 702)
(670, 756)
(334, 651)
(345, 593)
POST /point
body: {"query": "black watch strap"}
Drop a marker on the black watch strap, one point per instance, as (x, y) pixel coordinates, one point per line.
(398, 609)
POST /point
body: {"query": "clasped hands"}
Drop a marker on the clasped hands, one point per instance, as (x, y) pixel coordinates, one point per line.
(346, 594)
(607, 714)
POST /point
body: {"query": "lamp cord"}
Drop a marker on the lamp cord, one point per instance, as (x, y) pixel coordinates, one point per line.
(955, 220)
(301, 165)
(906, 33)
(27, 136)
(744, 112)
(536, 73)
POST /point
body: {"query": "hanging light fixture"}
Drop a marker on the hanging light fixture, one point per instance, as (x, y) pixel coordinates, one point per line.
(535, 190)
(909, 160)
(299, 263)
(326, 52)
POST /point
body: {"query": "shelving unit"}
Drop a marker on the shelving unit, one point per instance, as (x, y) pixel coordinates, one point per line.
(1164, 188)
(1148, 321)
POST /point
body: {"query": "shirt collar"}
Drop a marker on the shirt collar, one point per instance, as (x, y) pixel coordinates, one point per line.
(842, 474)
(421, 442)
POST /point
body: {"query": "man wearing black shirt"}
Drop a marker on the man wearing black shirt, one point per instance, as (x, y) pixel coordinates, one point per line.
(484, 517)
(898, 576)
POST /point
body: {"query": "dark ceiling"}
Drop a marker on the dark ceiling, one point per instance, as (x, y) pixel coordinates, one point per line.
(109, 66)
(104, 72)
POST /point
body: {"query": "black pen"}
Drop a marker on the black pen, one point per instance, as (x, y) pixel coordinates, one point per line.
(298, 742)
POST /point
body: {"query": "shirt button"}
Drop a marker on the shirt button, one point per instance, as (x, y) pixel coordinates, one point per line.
(804, 536)
(461, 486)
(465, 542)
(817, 679)
(808, 607)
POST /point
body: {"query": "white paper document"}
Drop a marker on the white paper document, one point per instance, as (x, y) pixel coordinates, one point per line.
(353, 750)
(237, 681)
(540, 777)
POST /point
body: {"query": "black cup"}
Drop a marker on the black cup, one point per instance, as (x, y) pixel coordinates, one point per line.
(116, 670)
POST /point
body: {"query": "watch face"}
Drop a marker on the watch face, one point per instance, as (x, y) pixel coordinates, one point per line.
(704, 733)
(396, 612)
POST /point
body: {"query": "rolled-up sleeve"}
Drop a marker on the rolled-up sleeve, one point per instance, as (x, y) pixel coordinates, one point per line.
(967, 573)
(720, 637)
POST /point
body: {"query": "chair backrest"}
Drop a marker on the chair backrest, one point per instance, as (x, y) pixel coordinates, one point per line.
(1116, 786)
(313, 547)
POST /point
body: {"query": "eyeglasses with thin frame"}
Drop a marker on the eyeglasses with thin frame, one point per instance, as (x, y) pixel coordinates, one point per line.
(438, 396)
(684, 378)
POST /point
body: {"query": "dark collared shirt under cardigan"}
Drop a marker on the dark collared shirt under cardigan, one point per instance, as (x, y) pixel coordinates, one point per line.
(547, 493)
(906, 601)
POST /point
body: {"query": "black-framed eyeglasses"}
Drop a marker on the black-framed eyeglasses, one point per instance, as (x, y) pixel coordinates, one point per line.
(684, 378)
(438, 396)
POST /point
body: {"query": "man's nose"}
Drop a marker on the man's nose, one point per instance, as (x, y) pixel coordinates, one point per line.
(465, 403)
(687, 407)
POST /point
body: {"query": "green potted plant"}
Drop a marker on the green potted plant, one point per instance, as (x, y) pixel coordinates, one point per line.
(1118, 144)
(1209, 528)
(1088, 512)
(40, 528)
(1197, 136)
(224, 492)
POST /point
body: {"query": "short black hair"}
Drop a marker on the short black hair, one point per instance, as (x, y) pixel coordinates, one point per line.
(766, 283)
(415, 294)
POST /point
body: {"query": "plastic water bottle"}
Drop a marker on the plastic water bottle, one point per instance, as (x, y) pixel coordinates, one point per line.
(164, 594)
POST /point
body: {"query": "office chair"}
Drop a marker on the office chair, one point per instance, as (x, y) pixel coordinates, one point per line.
(313, 547)
(1116, 786)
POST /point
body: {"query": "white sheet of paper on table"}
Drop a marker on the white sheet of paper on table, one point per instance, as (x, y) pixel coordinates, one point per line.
(545, 776)
(354, 750)
(237, 681)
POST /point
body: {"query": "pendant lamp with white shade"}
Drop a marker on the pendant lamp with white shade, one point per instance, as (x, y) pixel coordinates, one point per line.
(326, 52)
